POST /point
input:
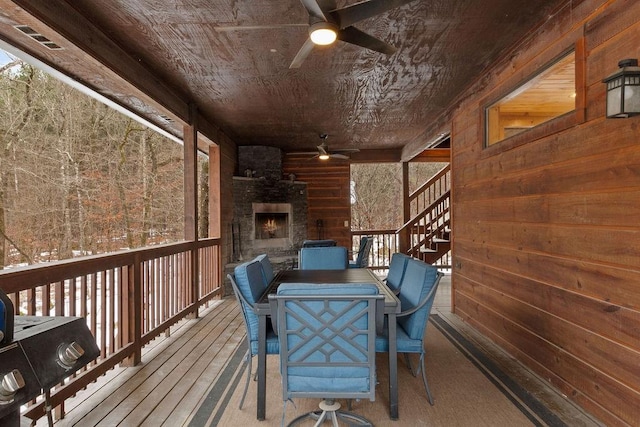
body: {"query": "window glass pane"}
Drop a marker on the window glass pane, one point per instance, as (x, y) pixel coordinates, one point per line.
(548, 95)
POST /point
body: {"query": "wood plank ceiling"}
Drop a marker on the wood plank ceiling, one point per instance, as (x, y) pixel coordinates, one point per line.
(240, 80)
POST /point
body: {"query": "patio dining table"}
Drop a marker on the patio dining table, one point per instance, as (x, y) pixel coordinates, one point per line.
(351, 275)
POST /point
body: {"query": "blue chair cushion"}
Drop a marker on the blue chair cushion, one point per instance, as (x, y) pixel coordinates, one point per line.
(404, 343)
(327, 289)
(324, 258)
(273, 345)
(321, 384)
(267, 268)
(250, 280)
(418, 280)
(251, 283)
(397, 268)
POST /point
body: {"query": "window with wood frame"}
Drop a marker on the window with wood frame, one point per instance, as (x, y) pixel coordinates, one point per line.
(549, 94)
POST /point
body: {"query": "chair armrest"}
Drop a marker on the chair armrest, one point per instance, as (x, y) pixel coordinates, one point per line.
(396, 291)
(273, 307)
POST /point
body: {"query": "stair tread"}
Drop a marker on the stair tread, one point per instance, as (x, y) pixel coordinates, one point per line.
(428, 250)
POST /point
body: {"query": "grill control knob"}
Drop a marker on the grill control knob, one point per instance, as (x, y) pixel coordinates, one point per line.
(9, 385)
(68, 354)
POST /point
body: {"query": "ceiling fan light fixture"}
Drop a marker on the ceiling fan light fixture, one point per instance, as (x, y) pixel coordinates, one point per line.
(324, 156)
(323, 33)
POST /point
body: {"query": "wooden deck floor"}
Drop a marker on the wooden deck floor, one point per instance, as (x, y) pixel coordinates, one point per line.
(193, 378)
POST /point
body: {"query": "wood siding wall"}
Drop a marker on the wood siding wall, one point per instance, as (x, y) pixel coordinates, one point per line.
(328, 195)
(546, 229)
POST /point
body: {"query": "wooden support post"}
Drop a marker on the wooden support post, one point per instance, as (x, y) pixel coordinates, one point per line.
(215, 204)
(403, 244)
(191, 201)
(215, 209)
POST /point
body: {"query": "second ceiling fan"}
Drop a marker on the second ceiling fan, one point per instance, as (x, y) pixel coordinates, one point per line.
(324, 153)
(328, 23)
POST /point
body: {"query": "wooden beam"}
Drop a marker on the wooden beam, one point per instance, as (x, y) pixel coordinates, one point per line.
(376, 156)
(434, 155)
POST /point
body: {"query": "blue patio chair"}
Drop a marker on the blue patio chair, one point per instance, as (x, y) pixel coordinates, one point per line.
(327, 345)
(395, 275)
(417, 293)
(324, 258)
(362, 258)
(249, 284)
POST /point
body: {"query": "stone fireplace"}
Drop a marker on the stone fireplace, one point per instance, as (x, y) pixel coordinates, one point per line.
(269, 217)
(270, 213)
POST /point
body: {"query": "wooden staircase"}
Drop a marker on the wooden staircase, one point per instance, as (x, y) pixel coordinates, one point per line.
(427, 234)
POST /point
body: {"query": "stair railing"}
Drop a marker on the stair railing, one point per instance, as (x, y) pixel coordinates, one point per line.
(430, 216)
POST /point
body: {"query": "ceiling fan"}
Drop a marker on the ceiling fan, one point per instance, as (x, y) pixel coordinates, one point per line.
(328, 23)
(324, 153)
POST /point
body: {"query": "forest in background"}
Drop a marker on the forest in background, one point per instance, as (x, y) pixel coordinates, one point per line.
(77, 177)
(376, 192)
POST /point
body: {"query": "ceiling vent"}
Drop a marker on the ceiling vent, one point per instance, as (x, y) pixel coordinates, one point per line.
(38, 37)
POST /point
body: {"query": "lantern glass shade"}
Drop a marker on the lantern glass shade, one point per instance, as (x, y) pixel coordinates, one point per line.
(623, 91)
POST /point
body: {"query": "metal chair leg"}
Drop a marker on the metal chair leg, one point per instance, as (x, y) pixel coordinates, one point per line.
(407, 361)
(247, 358)
(424, 379)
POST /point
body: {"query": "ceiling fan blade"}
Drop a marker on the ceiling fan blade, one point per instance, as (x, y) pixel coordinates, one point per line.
(360, 38)
(338, 156)
(314, 9)
(304, 51)
(349, 15)
(323, 149)
(224, 28)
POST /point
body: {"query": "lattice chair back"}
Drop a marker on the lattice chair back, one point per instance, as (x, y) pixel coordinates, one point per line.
(327, 341)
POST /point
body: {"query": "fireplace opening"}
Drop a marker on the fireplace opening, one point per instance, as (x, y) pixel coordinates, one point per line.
(271, 225)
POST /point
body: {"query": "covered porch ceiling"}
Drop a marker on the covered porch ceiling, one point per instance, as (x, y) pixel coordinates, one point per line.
(162, 58)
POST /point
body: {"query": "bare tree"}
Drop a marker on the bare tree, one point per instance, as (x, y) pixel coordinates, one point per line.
(76, 177)
(376, 196)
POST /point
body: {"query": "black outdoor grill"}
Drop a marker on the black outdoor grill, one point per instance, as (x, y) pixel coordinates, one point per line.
(36, 353)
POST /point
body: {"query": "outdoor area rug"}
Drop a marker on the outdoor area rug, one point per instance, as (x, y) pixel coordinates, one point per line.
(468, 389)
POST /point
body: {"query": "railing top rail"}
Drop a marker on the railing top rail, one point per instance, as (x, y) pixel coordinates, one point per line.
(371, 232)
(430, 182)
(21, 278)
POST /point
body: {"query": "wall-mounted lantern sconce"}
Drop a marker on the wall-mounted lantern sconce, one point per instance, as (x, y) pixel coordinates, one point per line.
(623, 90)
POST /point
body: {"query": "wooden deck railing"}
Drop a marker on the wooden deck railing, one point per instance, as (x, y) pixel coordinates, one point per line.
(128, 298)
(385, 243)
